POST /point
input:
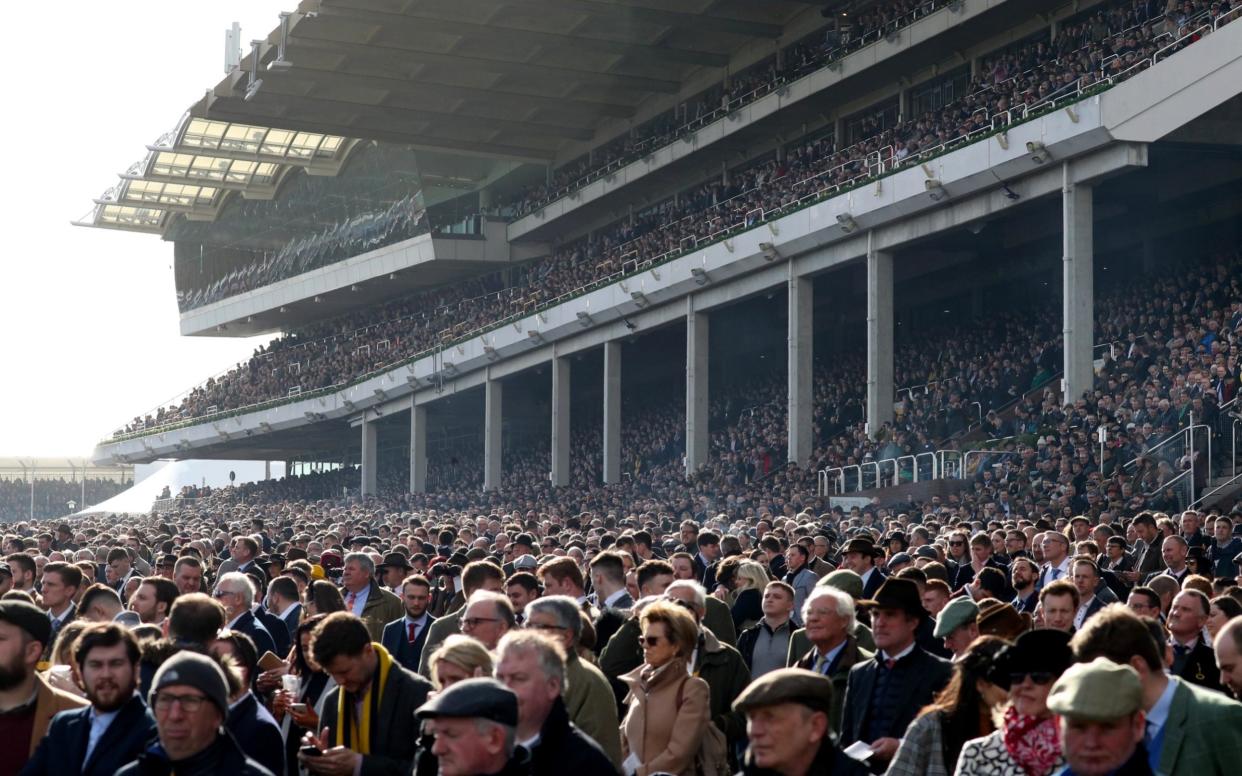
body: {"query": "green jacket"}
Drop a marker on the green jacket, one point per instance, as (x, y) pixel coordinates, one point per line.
(381, 608)
(440, 630)
(591, 706)
(725, 672)
(719, 620)
(1203, 733)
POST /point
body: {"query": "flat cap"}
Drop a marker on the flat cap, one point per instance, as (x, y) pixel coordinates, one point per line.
(525, 563)
(787, 685)
(1099, 691)
(899, 559)
(954, 615)
(844, 580)
(29, 618)
(926, 551)
(481, 698)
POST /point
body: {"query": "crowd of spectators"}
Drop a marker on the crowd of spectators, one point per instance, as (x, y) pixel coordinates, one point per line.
(52, 496)
(265, 630)
(338, 351)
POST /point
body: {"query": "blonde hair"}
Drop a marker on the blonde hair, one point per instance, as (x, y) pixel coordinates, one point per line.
(683, 631)
(465, 653)
(753, 574)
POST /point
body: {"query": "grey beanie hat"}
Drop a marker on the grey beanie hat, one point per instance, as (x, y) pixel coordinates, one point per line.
(193, 670)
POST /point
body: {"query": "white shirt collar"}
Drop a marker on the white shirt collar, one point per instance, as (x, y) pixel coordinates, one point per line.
(885, 656)
(616, 596)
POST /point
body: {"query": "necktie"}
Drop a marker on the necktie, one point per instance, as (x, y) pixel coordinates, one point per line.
(1056, 574)
(889, 663)
(413, 632)
(353, 597)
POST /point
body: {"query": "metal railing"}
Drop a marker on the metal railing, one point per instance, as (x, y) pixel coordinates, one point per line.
(904, 468)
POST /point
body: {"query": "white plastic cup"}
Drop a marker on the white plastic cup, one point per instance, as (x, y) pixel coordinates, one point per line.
(290, 684)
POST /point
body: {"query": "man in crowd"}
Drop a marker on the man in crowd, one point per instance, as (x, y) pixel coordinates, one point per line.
(191, 702)
(1058, 603)
(765, 645)
(61, 582)
(153, 600)
(474, 729)
(1183, 720)
(120, 569)
(1099, 707)
(787, 724)
(533, 667)
(1056, 558)
(249, 721)
(488, 617)
(395, 568)
(404, 638)
(365, 598)
(27, 701)
(885, 692)
(1024, 573)
(1229, 656)
(587, 695)
(1086, 580)
(235, 592)
(188, 574)
(1193, 659)
(478, 575)
(1173, 551)
(859, 556)
(830, 626)
(799, 577)
(957, 625)
(368, 721)
(282, 602)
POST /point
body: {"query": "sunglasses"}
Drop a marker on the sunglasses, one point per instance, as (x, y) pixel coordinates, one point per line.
(1038, 677)
(651, 641)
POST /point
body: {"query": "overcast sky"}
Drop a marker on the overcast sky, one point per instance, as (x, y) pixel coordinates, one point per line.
(88, 316)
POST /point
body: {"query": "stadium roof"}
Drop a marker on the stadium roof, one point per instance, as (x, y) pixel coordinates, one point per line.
(518, 80)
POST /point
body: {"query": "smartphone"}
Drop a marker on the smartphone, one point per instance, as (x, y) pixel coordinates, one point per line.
(310, 751)
(270, 660)
(297, 708)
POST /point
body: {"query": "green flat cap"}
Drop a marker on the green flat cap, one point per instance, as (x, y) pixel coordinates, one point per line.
(844, 580)
(1099, 691)
(954, 615)
(787, 685)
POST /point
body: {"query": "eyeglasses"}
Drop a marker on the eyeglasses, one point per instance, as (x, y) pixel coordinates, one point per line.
(956, 544)
(222, 593)
(190, 704)
(651, 641)
(474, 622)
(1038, 677)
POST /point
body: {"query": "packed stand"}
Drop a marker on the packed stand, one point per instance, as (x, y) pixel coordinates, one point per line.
(52, 496)
(257, 633)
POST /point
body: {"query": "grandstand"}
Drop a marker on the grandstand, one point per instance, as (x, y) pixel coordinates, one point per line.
(714, 254)
(35, 488)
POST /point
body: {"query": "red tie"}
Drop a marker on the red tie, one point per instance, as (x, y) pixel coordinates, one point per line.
(890, 663)
(352, 598)
(413, 632)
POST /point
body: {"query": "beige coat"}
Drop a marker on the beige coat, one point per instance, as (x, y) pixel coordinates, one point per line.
(663, 736)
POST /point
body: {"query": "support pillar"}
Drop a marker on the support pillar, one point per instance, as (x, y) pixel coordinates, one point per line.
(697, 439)
(370, 456)
(879, 338)
(800, 343)
(612, 412)
(1077, 286)
(492, 399)
(418, 448)
(560, 422)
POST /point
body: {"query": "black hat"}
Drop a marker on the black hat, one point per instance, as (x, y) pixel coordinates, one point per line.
(395, 560)
(29, 618)
(1043, 650)
(900, 594)
(865, 546)
(482, 698)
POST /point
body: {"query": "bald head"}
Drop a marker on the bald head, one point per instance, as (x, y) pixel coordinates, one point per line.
(1229, 655)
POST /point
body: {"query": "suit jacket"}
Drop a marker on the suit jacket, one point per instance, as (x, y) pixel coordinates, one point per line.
(397, 641)
(257, 733)
(257, 631)
(839, 671)
(277, 629)
(394, 736)
(1093, 607)
(607, 624)
(719, 620)
(49, 702)
(873, 583)
(381, 608)
(63, 749)
(292, 619)
(1200, 668)
(1193, 740)
(440, 630)
(1149, 562)
(68, 618)
(926, 674)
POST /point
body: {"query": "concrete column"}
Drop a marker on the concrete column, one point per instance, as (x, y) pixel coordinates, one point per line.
(492, 424)
(879, 338)
(370, 456)
(612, 412)
(1077, 285)
(697, 439)
(801, 409)
(560, 422)
(418, 448)
(903, 103)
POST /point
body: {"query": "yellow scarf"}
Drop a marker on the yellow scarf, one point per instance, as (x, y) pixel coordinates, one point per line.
(353, 733)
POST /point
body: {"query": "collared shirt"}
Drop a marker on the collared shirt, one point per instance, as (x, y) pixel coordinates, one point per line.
(611, 600)
(58, 618)
(281, 614)
(235, 619)
(100, 720)
(1047, 576)
(1081, 616)
(823, 662)
(1159, 712)
(419, 625)
(360, 600)
(883, 656)
(867, 576)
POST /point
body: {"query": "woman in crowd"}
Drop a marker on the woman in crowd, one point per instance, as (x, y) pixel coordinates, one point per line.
(962, 711)
(1027, 742)
(301, 711)
(1224, 608)
(749, 582)
(668, 710)
(459, 657)
(322, 597)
